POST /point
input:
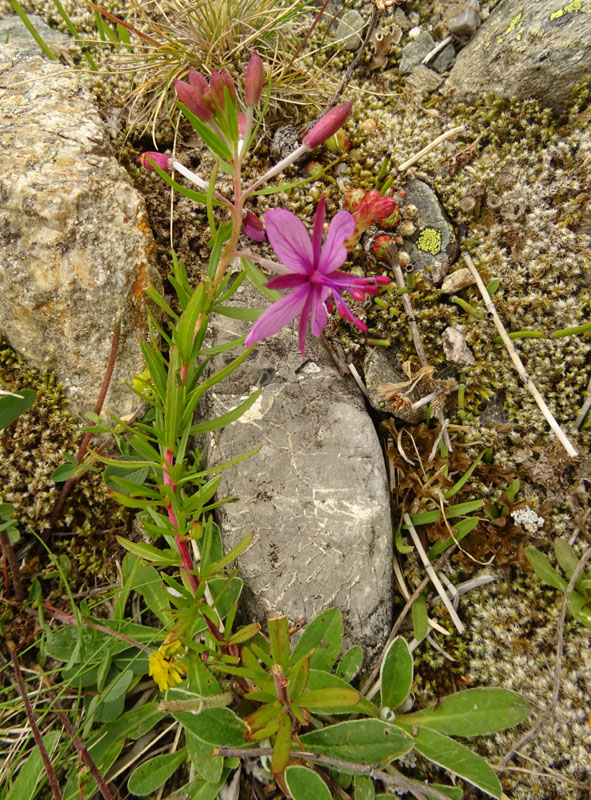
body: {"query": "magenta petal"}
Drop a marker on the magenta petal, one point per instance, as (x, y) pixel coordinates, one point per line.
(303, 328)
(319, 314)
(318, 230)
(287, 281)
(278, 316)
(334, 253)
(290, 240)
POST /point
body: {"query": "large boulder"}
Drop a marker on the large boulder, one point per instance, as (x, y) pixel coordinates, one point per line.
(527, 50)
(316, 494)
(75, 245)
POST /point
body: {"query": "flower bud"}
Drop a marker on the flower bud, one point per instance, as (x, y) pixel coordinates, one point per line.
(159, 159)
(253, 227)
(229, 84)
(327, 125)
(373, 207)
(217, 83)
(253, 82)
(194, 99)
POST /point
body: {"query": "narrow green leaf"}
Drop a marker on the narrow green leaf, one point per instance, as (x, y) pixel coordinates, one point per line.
(420, 617)
(461, 528)
(396, 674)
(203, 759)
(426, 517)
(350, 663)
(332, 700)
(473, 712)
(216, 726)
(320, 679)
(31, 771)
(215, 144)
(282, 746)
(118, 686)
(225, 419)
(362, 741)
(465, 477)
(150, 553)
(364, 788)
(185, 329)
(64, 472)
(458, 759)
(33, 31)
(258, 280)
(544, 569)
(174, 400)
(279, 639)
(245, 314)
(566, 557)
(153, 773)
(325, 636)
(303, 784)
(453, 792)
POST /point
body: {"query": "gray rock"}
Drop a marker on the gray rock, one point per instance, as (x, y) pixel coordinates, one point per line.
(316, 494)
(527, 50)
(399, 18)
(423, 80)
(434, 239)
(75, 244)
(444, 60)
(464, 19)
(13, 31)
(348, 32)
(414, 52)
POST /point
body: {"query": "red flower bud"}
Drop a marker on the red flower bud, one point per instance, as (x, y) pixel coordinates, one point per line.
(253, 82)
(229, 84)
(194, 99)
(159, 159)
(253, 227)
(327, 125)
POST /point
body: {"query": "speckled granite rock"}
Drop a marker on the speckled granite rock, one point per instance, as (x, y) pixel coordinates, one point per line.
(527, 50)
(75, 245)
(315, 495)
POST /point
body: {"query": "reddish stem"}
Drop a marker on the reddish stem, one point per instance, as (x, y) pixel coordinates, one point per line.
(33, 723)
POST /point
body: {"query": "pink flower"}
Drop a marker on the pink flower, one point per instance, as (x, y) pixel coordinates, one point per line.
(162, 161)
(312, 274)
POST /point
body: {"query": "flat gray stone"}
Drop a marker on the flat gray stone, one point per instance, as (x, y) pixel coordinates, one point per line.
(434, 240)
(414, 52)
(348, 32)
(464, 19)
(75, 244)
(316, 495)
(527, 50)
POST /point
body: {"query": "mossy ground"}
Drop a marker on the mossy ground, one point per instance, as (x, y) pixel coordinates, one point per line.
(535, 238)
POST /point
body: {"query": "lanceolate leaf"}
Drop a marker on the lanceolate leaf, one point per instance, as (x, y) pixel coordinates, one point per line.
(12, 407)
(150, 553)
(324, 635)
(150, 775)
(319, 679)
(362, 741)
(215, 725)
(225, 419)
(350, 663)
(458, 759)
(396, 674)
(473, 712)
(544, 569)
(303, 784)
(282, 746)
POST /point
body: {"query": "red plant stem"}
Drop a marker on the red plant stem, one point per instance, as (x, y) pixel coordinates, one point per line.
(33, 723)
(186, 559)
(11, 561)
(69, 619)
(82, 751)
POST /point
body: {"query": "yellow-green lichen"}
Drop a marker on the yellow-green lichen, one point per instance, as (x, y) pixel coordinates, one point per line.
(429, 241)
(574, 5)
(514, 25)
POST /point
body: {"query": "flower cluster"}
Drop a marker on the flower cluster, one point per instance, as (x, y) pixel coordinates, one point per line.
(165, 667)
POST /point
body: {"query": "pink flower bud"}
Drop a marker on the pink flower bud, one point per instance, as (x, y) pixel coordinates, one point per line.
(253, 227)
(327, 125)
(194, 99)
(197, 81)
(229, 84)
(159, 159)
(219, 81)
(253, 82)
(372, 208)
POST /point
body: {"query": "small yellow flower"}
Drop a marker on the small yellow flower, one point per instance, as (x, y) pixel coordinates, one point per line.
(166, 669)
